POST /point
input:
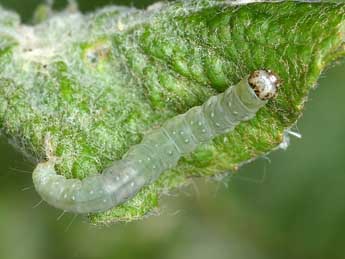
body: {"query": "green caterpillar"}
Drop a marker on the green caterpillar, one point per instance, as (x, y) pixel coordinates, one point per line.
(159, 151)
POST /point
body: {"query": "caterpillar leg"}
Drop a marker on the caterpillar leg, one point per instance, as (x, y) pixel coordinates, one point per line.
(159, 151)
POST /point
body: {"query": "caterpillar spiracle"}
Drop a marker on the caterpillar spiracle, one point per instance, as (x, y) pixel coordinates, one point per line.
(159, 151)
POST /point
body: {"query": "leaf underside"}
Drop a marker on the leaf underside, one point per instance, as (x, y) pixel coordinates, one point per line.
(96, 83)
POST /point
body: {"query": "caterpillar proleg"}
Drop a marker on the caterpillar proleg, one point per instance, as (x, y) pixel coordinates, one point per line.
(159, 150)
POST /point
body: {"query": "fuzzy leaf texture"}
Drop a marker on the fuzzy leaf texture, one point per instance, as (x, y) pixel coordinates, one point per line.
(97, 82)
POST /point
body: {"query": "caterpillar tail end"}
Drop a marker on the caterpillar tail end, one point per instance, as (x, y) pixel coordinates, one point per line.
(71, 195)
(42, 173)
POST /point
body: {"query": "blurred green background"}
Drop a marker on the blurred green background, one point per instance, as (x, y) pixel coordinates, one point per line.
(288, 205)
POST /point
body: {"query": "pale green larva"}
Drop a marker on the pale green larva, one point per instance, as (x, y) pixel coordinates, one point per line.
(159, 151)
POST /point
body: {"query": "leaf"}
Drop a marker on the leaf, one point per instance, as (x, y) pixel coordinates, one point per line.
(97, 83)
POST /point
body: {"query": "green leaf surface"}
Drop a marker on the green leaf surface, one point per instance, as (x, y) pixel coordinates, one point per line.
(97, 83)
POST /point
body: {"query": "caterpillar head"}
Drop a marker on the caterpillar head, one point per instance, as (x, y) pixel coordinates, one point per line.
(265, 84)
